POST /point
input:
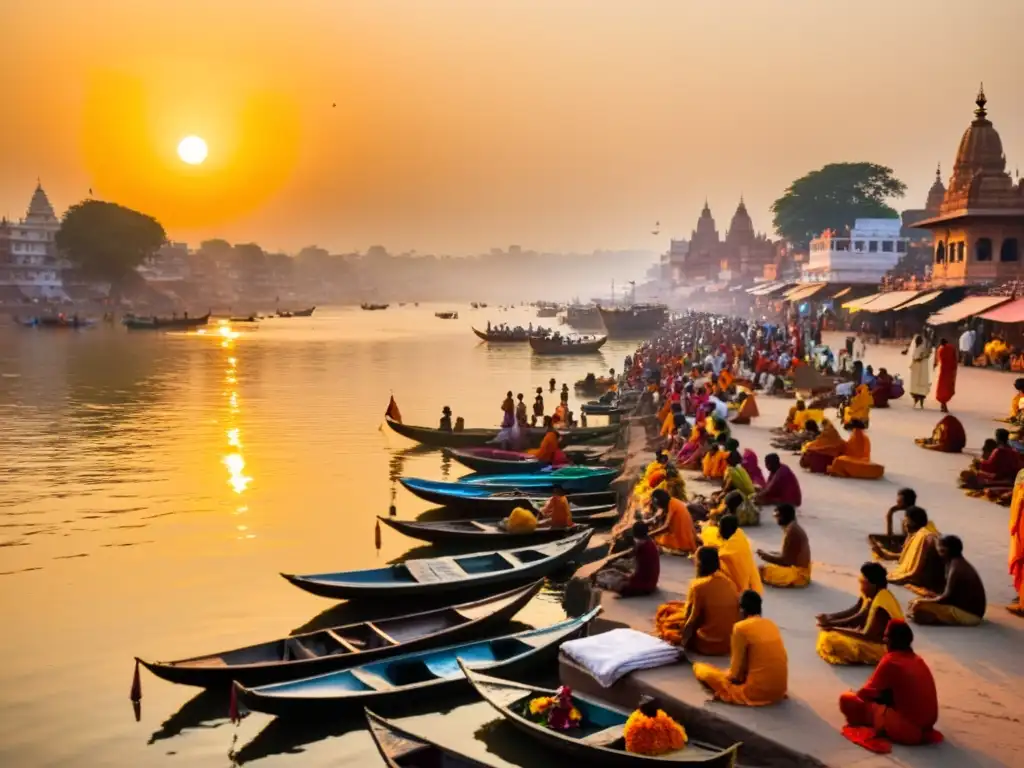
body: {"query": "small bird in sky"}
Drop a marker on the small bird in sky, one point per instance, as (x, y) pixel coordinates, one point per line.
(334, 104)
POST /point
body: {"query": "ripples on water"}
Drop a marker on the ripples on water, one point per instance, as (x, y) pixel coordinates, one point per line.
(153, 486)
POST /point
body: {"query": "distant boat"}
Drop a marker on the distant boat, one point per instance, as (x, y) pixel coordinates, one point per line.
(373, 307)
(503, 337)
(633, 321)
(566, 346)
(135, 323)
(249, 319)
(447, 315)
(584, 318)
(60, 323)
(295, 313)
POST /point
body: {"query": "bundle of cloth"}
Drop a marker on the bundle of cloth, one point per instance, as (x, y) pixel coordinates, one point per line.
(611, 655)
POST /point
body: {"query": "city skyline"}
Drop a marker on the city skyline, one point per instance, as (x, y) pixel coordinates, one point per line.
(557, 126)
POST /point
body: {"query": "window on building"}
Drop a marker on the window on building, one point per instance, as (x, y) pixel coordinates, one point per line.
(983, 249)
(1008, 251)
(842, 245)
(873, 247)
(961, 250)
(901, 246)
(940, 252)
(887, 246)
(859, 246)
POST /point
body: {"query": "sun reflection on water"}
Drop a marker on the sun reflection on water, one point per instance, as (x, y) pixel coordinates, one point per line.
(234, 461)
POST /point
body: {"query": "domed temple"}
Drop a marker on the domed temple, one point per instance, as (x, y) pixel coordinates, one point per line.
(978, 229)
(740, 255)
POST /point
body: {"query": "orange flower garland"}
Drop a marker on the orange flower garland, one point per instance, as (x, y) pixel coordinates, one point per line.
(653, 736)
(669, 620)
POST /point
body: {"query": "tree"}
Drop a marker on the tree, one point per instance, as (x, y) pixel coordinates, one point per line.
(107, 241)
(832, 198)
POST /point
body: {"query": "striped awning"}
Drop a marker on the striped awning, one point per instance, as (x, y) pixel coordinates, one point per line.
(778, 290)
(924, 298)
(858, 304)
(969, 307)
(890, 300)
(764, 288)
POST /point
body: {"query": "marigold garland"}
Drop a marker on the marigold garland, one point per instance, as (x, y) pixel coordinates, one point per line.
(653, 736)
(555, 712)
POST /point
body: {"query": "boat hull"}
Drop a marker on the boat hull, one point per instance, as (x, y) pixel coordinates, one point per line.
(497, 503)
(498, 338)
(479, 438)
(551, 347)
(164, 324)
(466, 532)
(401, 749)
(633, 322)
(594, 480)
(494, 461)
(505, 605)
(356, 585)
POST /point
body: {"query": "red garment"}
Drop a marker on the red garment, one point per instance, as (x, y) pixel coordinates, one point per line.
(648, 568)
(899, 698)
(783, 487)
(1003, 463)
(945, 385)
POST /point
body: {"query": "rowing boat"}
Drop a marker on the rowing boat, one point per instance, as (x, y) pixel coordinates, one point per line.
(401, 749)
(134, 323)
(563, 346)
(496, 461)
(430, 577)
(481, 500)
(570, 479)
(470, 438)
(336, 648)
(488, 532)
(599, 740)
(601, 409)
(510, 337)
(410, 677)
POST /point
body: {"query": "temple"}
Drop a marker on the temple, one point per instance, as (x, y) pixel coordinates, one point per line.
(30, 267)
(741, 255)
(978, 228)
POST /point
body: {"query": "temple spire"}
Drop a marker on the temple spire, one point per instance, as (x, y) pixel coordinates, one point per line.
(938, 172)
(981, 101)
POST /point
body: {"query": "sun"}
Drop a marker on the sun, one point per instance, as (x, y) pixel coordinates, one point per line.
(192, 150)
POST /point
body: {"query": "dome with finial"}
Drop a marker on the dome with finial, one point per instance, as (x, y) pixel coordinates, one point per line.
(981, 149)
(936, 193)
(39, 209)
(741, 227)
(706, 230)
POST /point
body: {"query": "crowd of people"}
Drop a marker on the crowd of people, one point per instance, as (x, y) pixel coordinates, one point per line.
(701, 378)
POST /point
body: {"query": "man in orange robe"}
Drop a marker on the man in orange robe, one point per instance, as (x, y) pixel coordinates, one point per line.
(855, 461)
(945, 385)
(675, 532)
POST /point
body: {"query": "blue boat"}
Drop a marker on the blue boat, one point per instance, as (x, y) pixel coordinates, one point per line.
(429, 577)
(411, 677)
(484, 501)
(577, 479)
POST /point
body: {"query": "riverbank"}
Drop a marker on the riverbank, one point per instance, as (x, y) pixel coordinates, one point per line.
(980, 692)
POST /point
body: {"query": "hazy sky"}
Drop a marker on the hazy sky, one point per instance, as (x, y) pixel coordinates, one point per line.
(462, 124)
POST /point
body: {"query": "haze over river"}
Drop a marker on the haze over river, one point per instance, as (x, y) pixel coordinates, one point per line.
(152, 487)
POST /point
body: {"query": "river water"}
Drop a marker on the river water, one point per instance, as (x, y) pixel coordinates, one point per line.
(152, 487)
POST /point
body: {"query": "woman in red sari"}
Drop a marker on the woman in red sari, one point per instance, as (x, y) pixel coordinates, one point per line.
(945, 385)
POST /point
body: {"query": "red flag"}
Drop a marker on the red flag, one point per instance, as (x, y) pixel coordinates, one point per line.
(392, 412)
(136, 692)
(376, 536)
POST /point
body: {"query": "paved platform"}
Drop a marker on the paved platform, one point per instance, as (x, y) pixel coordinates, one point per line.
(977, 670)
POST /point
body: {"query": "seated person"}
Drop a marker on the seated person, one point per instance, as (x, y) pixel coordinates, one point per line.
(736, 478)
(792, 566)
(674, 484)
(997, 470)
(797, 440)
(859, 408)
(890, 541)
(674, 531)
(782, 487)
(1016, 404)
(790, 423)
(734, 553)
(703, 623)
(660, 464)
(881, 392)
(522, 520)
(549, 451)
(855, 461)
(962, 601)
(899, 701)
(818, 455)
(808, 414)
(753, 469)
(632, 573)
(556, 513)
(854, 636)
(758, 672)
(947, 437)
(919, 567)
(446, 420)
(747, 410)
(716, 462)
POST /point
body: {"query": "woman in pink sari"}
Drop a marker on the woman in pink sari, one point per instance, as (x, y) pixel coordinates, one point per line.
(753, 469)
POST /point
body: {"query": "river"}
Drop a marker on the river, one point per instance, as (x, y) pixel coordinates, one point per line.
(154, 485)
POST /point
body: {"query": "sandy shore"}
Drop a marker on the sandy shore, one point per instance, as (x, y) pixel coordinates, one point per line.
(981, 694)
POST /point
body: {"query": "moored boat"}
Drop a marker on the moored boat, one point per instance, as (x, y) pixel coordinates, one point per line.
(447, 315)
(481, 500)
(571, 479)
(583, 318)
(135, 323)
(566, 345)
(430, 577)
(633, 321)
(471, 438)
(374, 307)
(510, 337)
(410, 677)
(58, 323)
(495, 460)
(487, 533)
(308, 312)
(599, 740)
(327, 650)
(401, 749)
(596, 408)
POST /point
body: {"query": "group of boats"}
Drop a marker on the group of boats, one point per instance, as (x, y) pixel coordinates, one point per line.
(135, 322)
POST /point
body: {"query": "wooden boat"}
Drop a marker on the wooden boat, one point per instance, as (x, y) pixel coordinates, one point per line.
(565, 347)
(56, 323)
(401, 749)
(601, 409)
(547, 312)
(249, 319)
(503, 338)
(572, 479)
(595, 386)
(336, 648)
(495, 460)
(133, 323)
(487, 533)
(374, 307)
(472, 438)
(410, 677)
(447, 315)
(599, 740)
(304, 312)
(481, 500)
(430, 577)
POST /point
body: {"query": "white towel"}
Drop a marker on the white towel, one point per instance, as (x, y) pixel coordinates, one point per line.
(610, 655)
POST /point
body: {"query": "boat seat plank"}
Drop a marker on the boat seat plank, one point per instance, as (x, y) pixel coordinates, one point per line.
(481, 526)
(342, 642)
(430, 571)
(603, 738)
(373, 627)
(510, 559)
(375, 682)
(298, 650)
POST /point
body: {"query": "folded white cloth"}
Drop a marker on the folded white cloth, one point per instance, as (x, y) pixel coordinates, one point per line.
(610, 655)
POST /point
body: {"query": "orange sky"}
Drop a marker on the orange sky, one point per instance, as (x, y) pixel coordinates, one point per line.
(462, 124)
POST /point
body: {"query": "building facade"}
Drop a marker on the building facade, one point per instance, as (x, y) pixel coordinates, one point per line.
(978, 231)
(872, 248)
(29, 262)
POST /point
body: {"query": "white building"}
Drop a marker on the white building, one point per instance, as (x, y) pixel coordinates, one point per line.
(873, 247)
(675, 259)
(29, 265)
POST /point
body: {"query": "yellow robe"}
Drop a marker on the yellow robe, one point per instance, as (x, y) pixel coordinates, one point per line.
(855, 461)
(940, 613)
(785, 575)
(859, 408)
(800, 418)
(521, 521)
(715, 464)
(837, 648)
(913, 549)
(758, 659)
(736, 558)
(668, 426)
